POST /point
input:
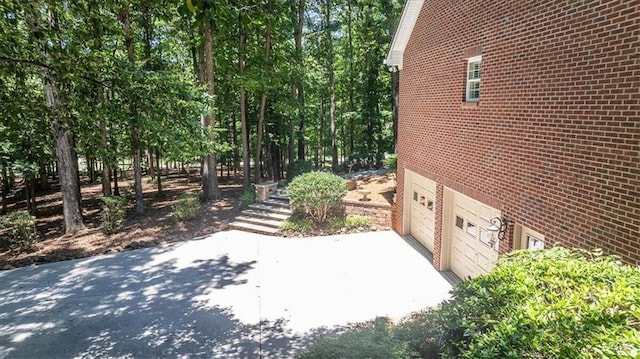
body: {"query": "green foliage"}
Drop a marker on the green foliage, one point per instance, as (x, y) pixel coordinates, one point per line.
(294, 224)
(392, 162)
(247, 197)
(315, 194)
(350, 222)
(187, 208)
(371, 340)
(555, 303)
(113, 212)
(20, 229)
(297, 168)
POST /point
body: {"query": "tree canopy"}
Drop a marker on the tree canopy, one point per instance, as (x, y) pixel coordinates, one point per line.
(127, 85)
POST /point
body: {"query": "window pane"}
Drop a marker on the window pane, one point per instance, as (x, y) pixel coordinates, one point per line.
(471, 229)
(474, 71)
(473, 91)
(459, 222)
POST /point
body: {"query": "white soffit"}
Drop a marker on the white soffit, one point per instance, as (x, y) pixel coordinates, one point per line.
(403, 32)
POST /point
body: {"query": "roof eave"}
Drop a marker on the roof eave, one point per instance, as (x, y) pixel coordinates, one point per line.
(407, 22)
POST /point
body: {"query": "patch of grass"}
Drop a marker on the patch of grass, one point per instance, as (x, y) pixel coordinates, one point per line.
(350, 222)
(294, 224)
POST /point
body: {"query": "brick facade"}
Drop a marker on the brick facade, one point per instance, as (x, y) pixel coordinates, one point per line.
(554, 142)
(380, 214)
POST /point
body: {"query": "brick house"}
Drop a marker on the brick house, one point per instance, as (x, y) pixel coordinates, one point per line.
(519, 112)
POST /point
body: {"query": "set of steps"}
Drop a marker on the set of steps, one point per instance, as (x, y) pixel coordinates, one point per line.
(264, 217)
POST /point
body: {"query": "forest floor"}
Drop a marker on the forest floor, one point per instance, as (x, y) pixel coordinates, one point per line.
(155, 227)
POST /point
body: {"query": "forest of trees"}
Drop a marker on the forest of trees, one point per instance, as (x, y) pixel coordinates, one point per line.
(252, 85)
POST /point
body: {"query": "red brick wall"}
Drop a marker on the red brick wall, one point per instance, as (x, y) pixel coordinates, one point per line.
(380, 214)
(555, 140)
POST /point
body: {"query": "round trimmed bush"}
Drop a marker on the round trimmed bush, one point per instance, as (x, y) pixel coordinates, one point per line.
(316, 194)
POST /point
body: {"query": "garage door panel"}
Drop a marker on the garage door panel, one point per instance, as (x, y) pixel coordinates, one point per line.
(422, 217)
(471, 255)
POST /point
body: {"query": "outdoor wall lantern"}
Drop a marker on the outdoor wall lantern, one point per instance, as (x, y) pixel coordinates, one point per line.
(497, 228)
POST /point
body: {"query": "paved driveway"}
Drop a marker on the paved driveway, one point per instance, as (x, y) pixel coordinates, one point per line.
(230, 295)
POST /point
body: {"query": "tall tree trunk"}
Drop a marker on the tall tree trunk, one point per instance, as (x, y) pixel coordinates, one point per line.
(395, 75)
(5, 188)
(135, 131)
(44, 182)
(65, 151)
(158, 171)
(263, 98)
(332, 83)
(258, 149)
(246, 165)
(352, 86)
(300, 87)
(209, 174)
(106, 169)
(116, 188)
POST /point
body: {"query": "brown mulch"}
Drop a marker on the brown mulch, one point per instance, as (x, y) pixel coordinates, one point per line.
(382, 187)
(156, 226)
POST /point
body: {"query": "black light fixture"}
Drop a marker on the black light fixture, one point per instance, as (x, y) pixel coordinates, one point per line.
(498, 226)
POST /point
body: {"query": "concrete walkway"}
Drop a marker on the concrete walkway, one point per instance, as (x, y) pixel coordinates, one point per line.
(230, 295)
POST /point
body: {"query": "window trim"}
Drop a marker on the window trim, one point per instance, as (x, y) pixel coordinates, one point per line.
(471, 60)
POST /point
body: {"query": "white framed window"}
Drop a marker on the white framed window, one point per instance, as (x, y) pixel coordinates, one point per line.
(473, 79)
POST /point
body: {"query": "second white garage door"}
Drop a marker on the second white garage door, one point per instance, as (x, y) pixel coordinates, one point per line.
(473, 250)
(423, 204)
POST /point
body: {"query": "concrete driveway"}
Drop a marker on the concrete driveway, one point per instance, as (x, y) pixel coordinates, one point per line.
(230, 295)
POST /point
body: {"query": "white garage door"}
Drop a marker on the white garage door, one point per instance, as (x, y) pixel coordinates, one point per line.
(423, 206)
(473, 249)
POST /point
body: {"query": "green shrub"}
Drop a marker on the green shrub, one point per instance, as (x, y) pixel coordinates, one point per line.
(187, 208)
(247, 197)
(372, 341)
(392, 162)
(350, 222)
(297, 168)
(20, 229)
(112, 215)
(315, 194)
(294, 224)
(555, 303)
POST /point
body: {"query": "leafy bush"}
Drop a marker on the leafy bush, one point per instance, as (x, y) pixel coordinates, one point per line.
(315, 194)
(187, 208)
(20, 227)
(555, 303)
(297, 168)
(392, 162)
(112, 215)
(350, 222)
(294, 224)
(372, 341)
(247, 197)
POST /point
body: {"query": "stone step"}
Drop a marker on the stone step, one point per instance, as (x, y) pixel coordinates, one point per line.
(254, 228)
(276, 202)
(266, 214)
(279, 197)
(270, 208)
(260, 221)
